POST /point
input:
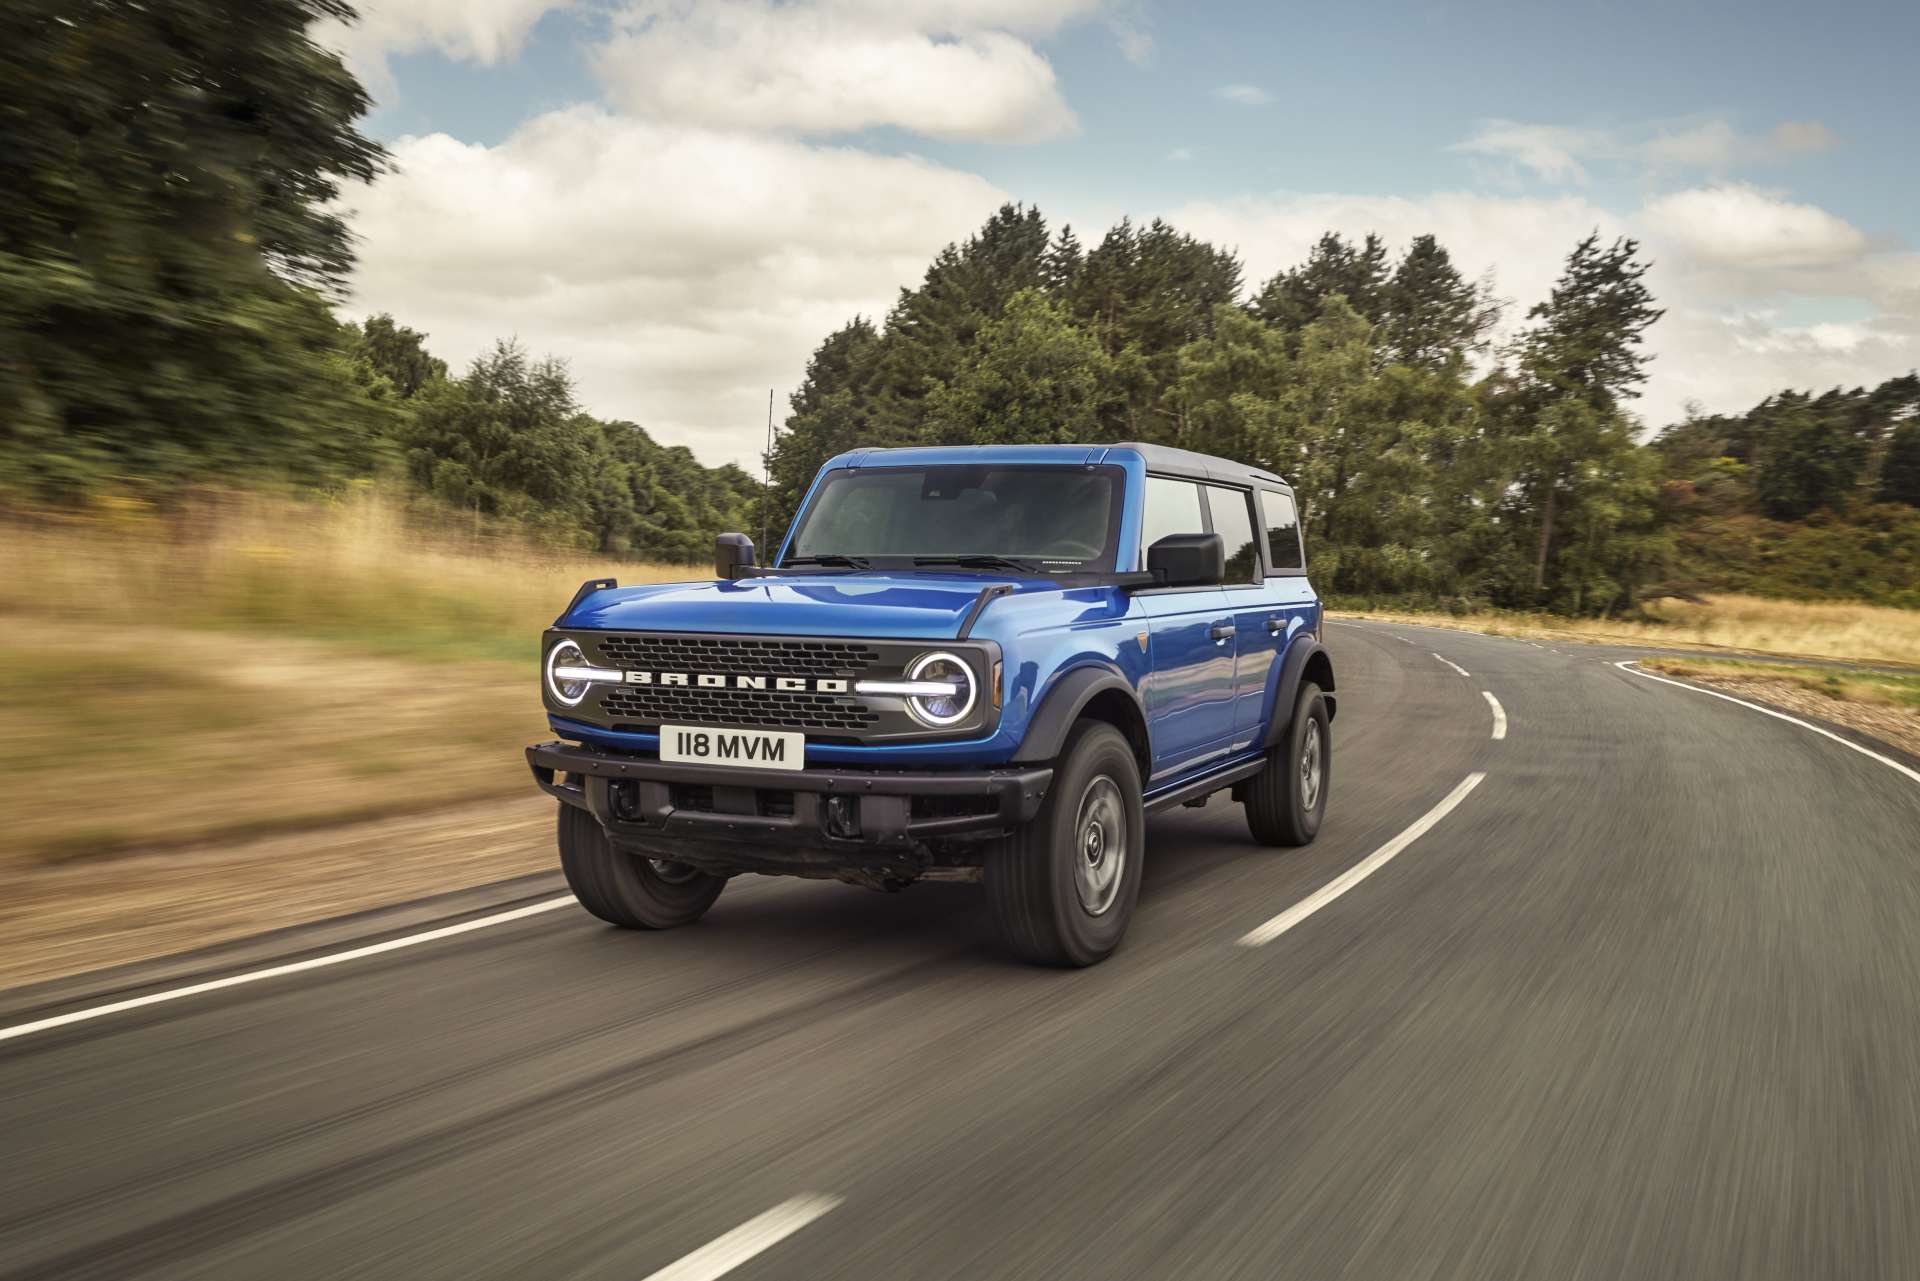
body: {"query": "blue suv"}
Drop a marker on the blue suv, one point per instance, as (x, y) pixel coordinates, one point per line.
(965, 664)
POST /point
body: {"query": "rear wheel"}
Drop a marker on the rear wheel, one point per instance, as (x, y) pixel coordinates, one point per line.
(630, 890)
(1287, 799)
(1063, 887)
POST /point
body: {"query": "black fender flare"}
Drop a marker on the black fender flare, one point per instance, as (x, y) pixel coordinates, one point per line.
(1061, 706)
(1292, 672)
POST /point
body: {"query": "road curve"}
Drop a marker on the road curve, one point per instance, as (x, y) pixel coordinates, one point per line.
(1644, 1001)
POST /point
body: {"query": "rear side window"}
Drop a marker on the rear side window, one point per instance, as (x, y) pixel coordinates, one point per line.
(1283, 531)
(1172, 507)
(1233, 521)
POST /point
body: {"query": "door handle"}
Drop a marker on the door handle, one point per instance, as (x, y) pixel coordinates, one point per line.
(1274, 625)
(1221, 631)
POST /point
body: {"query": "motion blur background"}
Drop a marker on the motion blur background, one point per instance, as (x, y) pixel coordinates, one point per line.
(315, 546)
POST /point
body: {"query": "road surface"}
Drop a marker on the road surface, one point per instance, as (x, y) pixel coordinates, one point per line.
(1641, 1001)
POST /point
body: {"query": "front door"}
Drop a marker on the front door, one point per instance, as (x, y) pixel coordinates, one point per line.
(1191, 630)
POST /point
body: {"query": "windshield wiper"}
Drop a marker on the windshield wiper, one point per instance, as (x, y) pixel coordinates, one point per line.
(831, 559)
(983, 560)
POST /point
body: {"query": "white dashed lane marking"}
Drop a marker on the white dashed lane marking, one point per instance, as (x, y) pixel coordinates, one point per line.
(1450, 663)
(726, 1252)
(1499, 715)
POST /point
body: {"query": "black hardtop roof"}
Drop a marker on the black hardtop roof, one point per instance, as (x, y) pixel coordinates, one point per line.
(1168, 461)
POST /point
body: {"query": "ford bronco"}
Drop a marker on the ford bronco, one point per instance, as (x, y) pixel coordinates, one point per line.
(965, 664)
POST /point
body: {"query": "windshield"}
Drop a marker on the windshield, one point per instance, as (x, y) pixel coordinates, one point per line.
(1051, 520)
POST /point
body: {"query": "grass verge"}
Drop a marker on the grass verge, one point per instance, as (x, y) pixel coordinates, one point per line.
(254, 664)
(1884, 705)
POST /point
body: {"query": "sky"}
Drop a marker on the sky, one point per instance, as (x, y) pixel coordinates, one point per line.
(681, 199)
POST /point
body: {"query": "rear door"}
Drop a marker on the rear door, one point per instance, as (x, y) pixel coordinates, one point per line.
(1289, 596)
(1190, 704)
(1259, 628)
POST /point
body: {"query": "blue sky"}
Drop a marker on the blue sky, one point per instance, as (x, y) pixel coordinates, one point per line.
(1762, 152)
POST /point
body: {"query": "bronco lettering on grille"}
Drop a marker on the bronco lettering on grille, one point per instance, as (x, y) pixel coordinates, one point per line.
(709, 680)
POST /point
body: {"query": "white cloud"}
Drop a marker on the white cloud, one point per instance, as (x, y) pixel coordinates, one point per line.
(1551, 152)
(942, 68)
(1722, 343)
(482, 31)
(1738, 226)
(1243, 95)
(681, 271)
(1564, 153)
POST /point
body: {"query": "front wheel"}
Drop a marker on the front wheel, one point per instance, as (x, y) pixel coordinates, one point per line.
(1287, 799)
(630, 890)
(1062, 887)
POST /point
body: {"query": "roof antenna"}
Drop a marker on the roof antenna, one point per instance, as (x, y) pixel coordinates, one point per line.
(766, 477)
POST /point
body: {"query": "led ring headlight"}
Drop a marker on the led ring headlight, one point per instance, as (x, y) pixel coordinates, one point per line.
(569, 675)
(951, 705)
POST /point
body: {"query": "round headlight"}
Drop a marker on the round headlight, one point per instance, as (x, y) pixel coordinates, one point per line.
(566, 654)
(941, 710)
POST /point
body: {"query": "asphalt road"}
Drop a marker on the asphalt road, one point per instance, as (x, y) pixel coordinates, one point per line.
(1644, 1003)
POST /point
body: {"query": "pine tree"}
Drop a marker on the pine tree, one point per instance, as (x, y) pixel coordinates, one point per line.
(1432, 314)
(1291, 300)
(1585, 349)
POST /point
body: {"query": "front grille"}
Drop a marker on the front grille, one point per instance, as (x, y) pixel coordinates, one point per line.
(738, 655)
(765, 709)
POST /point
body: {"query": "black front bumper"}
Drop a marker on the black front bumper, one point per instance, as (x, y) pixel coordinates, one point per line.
(868, 826)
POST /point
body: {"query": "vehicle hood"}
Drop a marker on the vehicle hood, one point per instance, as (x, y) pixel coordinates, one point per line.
(909, 606)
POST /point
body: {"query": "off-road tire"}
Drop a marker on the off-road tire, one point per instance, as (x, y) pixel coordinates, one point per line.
(627, 889)
(1038, 898)
(1279, 810)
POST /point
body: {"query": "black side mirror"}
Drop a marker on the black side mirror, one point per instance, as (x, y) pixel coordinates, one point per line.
(732, 553)
(1188, 560)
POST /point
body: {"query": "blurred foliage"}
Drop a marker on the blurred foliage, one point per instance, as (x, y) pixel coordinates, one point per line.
(165, 243)
(169, 247)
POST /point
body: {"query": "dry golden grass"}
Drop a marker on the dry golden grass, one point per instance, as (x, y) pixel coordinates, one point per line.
(1809, 629)
(361, 569)
(259, 664)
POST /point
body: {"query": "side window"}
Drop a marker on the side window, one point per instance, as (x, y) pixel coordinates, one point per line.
(1283, 531)
(1172, 507)
(1233, 521)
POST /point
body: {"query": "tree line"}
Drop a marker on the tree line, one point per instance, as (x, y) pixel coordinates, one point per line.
(172, 261)
(1432, 467)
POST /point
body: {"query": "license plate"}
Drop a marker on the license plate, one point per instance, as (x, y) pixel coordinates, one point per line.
(748, 748)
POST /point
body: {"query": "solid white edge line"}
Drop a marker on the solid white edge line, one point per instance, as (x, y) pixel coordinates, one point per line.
(1455, 666)
(731, 1249)
(1627, 665)
(1261, 935)
(277, 971)
(1499, 715)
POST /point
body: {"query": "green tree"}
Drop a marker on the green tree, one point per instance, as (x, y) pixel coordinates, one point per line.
(1900, 471)
(1291, 300)
(1431, 314)
(167, 241)
(1032, 377)
(1810, 457)
(1577, 363)
(507, 439)
(398, 354)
